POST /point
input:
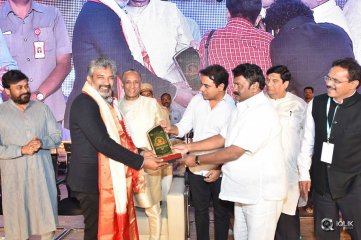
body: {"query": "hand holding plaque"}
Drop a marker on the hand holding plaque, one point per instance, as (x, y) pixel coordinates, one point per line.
(161, 145)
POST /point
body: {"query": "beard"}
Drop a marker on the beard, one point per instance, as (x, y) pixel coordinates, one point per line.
(22, 99)
(105, 93)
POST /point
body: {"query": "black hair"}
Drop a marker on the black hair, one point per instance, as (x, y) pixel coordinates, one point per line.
(282, 11)
(248, 9)
(308, 87)
(13, 77)
(217, 73)
(165, 94)
(251, 72)
(282, 71)
(352, 66)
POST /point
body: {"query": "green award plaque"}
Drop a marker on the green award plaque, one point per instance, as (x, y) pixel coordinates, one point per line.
(161, 145)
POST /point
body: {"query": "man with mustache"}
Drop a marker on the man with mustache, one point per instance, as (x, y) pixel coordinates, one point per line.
(291, 112)
(104, 159)
(28, 131)
(254, 176)
(103, 29)
(174, 114)
(330, 153)
(307, 48)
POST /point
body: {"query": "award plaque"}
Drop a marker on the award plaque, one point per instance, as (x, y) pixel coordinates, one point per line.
(161, 145)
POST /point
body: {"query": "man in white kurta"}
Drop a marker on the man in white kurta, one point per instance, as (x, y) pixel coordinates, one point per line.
(163, 31)
(254, 176)
(28, 130)
(141, 114)
(291, 111)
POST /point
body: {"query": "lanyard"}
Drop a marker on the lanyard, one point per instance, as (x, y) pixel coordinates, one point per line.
(328, 126)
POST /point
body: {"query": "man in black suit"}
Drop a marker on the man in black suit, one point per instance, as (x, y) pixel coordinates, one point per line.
(96, 132)
(332, 139)
(98, 32)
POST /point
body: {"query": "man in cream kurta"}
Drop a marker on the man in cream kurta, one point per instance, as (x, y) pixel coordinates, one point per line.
(291, 112)
(141, 114)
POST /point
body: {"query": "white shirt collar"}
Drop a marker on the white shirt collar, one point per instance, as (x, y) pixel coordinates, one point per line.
(252, 101)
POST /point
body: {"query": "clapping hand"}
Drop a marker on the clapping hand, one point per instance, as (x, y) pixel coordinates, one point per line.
(31, 147)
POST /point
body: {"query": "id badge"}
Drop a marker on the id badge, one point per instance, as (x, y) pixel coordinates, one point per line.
(39, 49)
(327, 152)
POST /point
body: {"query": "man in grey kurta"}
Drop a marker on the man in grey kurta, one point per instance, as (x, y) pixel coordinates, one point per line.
(28, 130)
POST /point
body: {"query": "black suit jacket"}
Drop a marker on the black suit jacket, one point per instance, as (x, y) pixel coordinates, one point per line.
(339, 177)
(89, 136)
(98, 33)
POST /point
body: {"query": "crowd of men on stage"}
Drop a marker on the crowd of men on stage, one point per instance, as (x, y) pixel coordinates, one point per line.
(257, 147)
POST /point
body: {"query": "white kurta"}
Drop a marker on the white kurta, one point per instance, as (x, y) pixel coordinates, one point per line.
(28, 182)
(291, 112)
(164, 31)
(140, 116)
(260, 172)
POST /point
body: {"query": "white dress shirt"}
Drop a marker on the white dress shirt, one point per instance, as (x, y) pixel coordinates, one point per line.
(206, 122)
(292, 112)
(260, 172)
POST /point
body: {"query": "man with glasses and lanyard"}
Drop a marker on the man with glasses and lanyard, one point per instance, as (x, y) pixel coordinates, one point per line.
(331, 151)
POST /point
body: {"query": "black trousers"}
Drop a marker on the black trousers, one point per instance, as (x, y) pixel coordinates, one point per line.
(202, 193)
(288, 227)
(327, 213)
(89, 203)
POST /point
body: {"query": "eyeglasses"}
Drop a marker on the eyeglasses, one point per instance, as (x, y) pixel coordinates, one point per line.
(329, 79)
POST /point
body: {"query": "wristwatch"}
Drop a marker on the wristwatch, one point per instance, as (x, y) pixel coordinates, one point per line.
(39, 96)
(197, 160)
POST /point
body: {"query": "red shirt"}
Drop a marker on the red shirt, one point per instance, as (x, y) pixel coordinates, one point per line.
(238, 42)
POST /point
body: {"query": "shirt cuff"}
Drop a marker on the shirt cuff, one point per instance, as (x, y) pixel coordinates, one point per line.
(304, 175)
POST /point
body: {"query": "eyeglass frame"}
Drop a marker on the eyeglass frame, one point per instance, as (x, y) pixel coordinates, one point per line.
(336, 81)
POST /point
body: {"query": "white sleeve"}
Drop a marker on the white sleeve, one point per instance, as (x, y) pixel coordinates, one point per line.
(304, 158)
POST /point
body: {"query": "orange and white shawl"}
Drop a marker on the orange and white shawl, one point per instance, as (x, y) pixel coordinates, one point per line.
(117, 219)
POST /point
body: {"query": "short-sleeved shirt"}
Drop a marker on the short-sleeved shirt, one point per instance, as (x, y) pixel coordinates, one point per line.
(260, 172)
(238, 42)
(42, 24)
